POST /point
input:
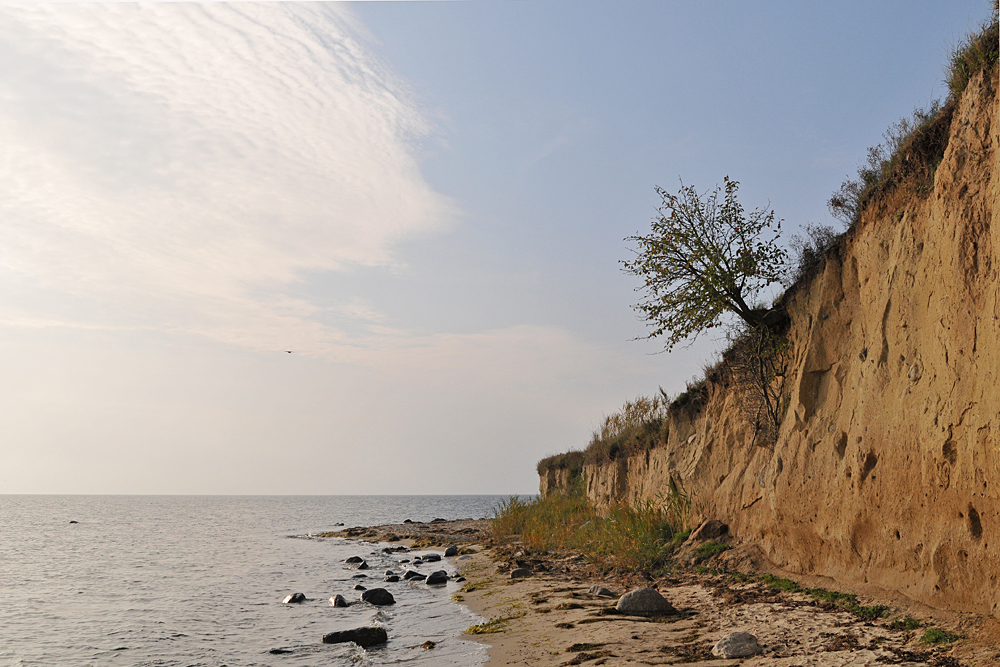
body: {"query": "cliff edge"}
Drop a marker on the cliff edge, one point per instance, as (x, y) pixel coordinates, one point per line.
(886, 467)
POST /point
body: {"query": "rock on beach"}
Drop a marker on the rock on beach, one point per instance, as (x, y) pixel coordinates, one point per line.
(644, 602)
(294, 598)
(736, 645)
(520, 573)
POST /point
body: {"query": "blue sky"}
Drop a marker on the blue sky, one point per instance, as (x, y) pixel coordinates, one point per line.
(426, 202)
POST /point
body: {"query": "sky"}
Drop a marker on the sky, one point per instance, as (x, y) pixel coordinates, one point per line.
(426, 203)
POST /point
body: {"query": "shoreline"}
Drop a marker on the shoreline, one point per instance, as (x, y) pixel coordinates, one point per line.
(550, 618)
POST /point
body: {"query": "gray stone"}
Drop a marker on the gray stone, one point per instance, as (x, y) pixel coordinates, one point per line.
(459, 579)
(339, 601)
(736, 645)
(410, 574)
(392, 578)
(601, 592)
(379, 597)
(644, 602)
(354, 559)
(520, 573)
(359, 587)
(451, 551)
(437, 578)
(294, 598)
(363, 637)
(389, 573)
(431, 558)
(359, 566)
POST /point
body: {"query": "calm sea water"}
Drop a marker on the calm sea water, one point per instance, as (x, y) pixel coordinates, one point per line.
(182, 580)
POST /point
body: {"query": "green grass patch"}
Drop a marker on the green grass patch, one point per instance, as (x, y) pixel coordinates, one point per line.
(846, 601)
(780, 584)
(709, 549)
(906, 623)
(937, 636)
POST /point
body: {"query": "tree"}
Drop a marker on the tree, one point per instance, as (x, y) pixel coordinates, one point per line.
(705, 257)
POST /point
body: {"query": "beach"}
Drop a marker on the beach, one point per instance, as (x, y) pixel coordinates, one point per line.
(550, 617)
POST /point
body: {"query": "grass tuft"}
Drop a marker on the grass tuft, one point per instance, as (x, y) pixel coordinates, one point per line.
(906, 623)
(936, 636)
(978, 51)
(708, 550)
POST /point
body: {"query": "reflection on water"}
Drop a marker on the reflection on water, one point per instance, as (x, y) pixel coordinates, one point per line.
(183, 580)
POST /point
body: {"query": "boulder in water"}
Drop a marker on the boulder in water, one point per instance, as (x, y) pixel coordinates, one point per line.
(363, 637)
(431, 558)
(359, 587)
(294, 598)
(437, 578)
(339, 601)
(391, 579)
(410, 574)
(354, 559)
(378, 597)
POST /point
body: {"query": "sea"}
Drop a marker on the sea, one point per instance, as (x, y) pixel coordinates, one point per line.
(199, 581)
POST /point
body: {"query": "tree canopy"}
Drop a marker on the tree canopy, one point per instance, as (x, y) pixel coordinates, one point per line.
(705, 256)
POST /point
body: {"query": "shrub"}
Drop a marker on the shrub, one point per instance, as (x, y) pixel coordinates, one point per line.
(901, 154)
(809, 250)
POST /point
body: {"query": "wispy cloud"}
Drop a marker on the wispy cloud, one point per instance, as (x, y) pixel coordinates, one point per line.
(182, 166)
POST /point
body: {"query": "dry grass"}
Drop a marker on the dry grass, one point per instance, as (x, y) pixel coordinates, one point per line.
(625, 537)
(978, 51)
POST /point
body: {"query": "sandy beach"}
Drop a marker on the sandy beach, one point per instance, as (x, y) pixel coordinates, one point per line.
(551, 618)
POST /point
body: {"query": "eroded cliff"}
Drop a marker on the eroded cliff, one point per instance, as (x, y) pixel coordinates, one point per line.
(886, 469)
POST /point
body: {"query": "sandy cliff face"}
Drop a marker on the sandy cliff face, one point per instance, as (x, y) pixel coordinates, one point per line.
(887, 466)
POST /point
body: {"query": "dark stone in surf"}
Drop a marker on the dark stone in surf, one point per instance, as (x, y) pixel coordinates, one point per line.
(294, 598)
(363, 637)
(359, 587)
(437, 578)
(432, 558)
(392, 578)
(354, 559)
(410, 574)
(378, 597)
(339, 601)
